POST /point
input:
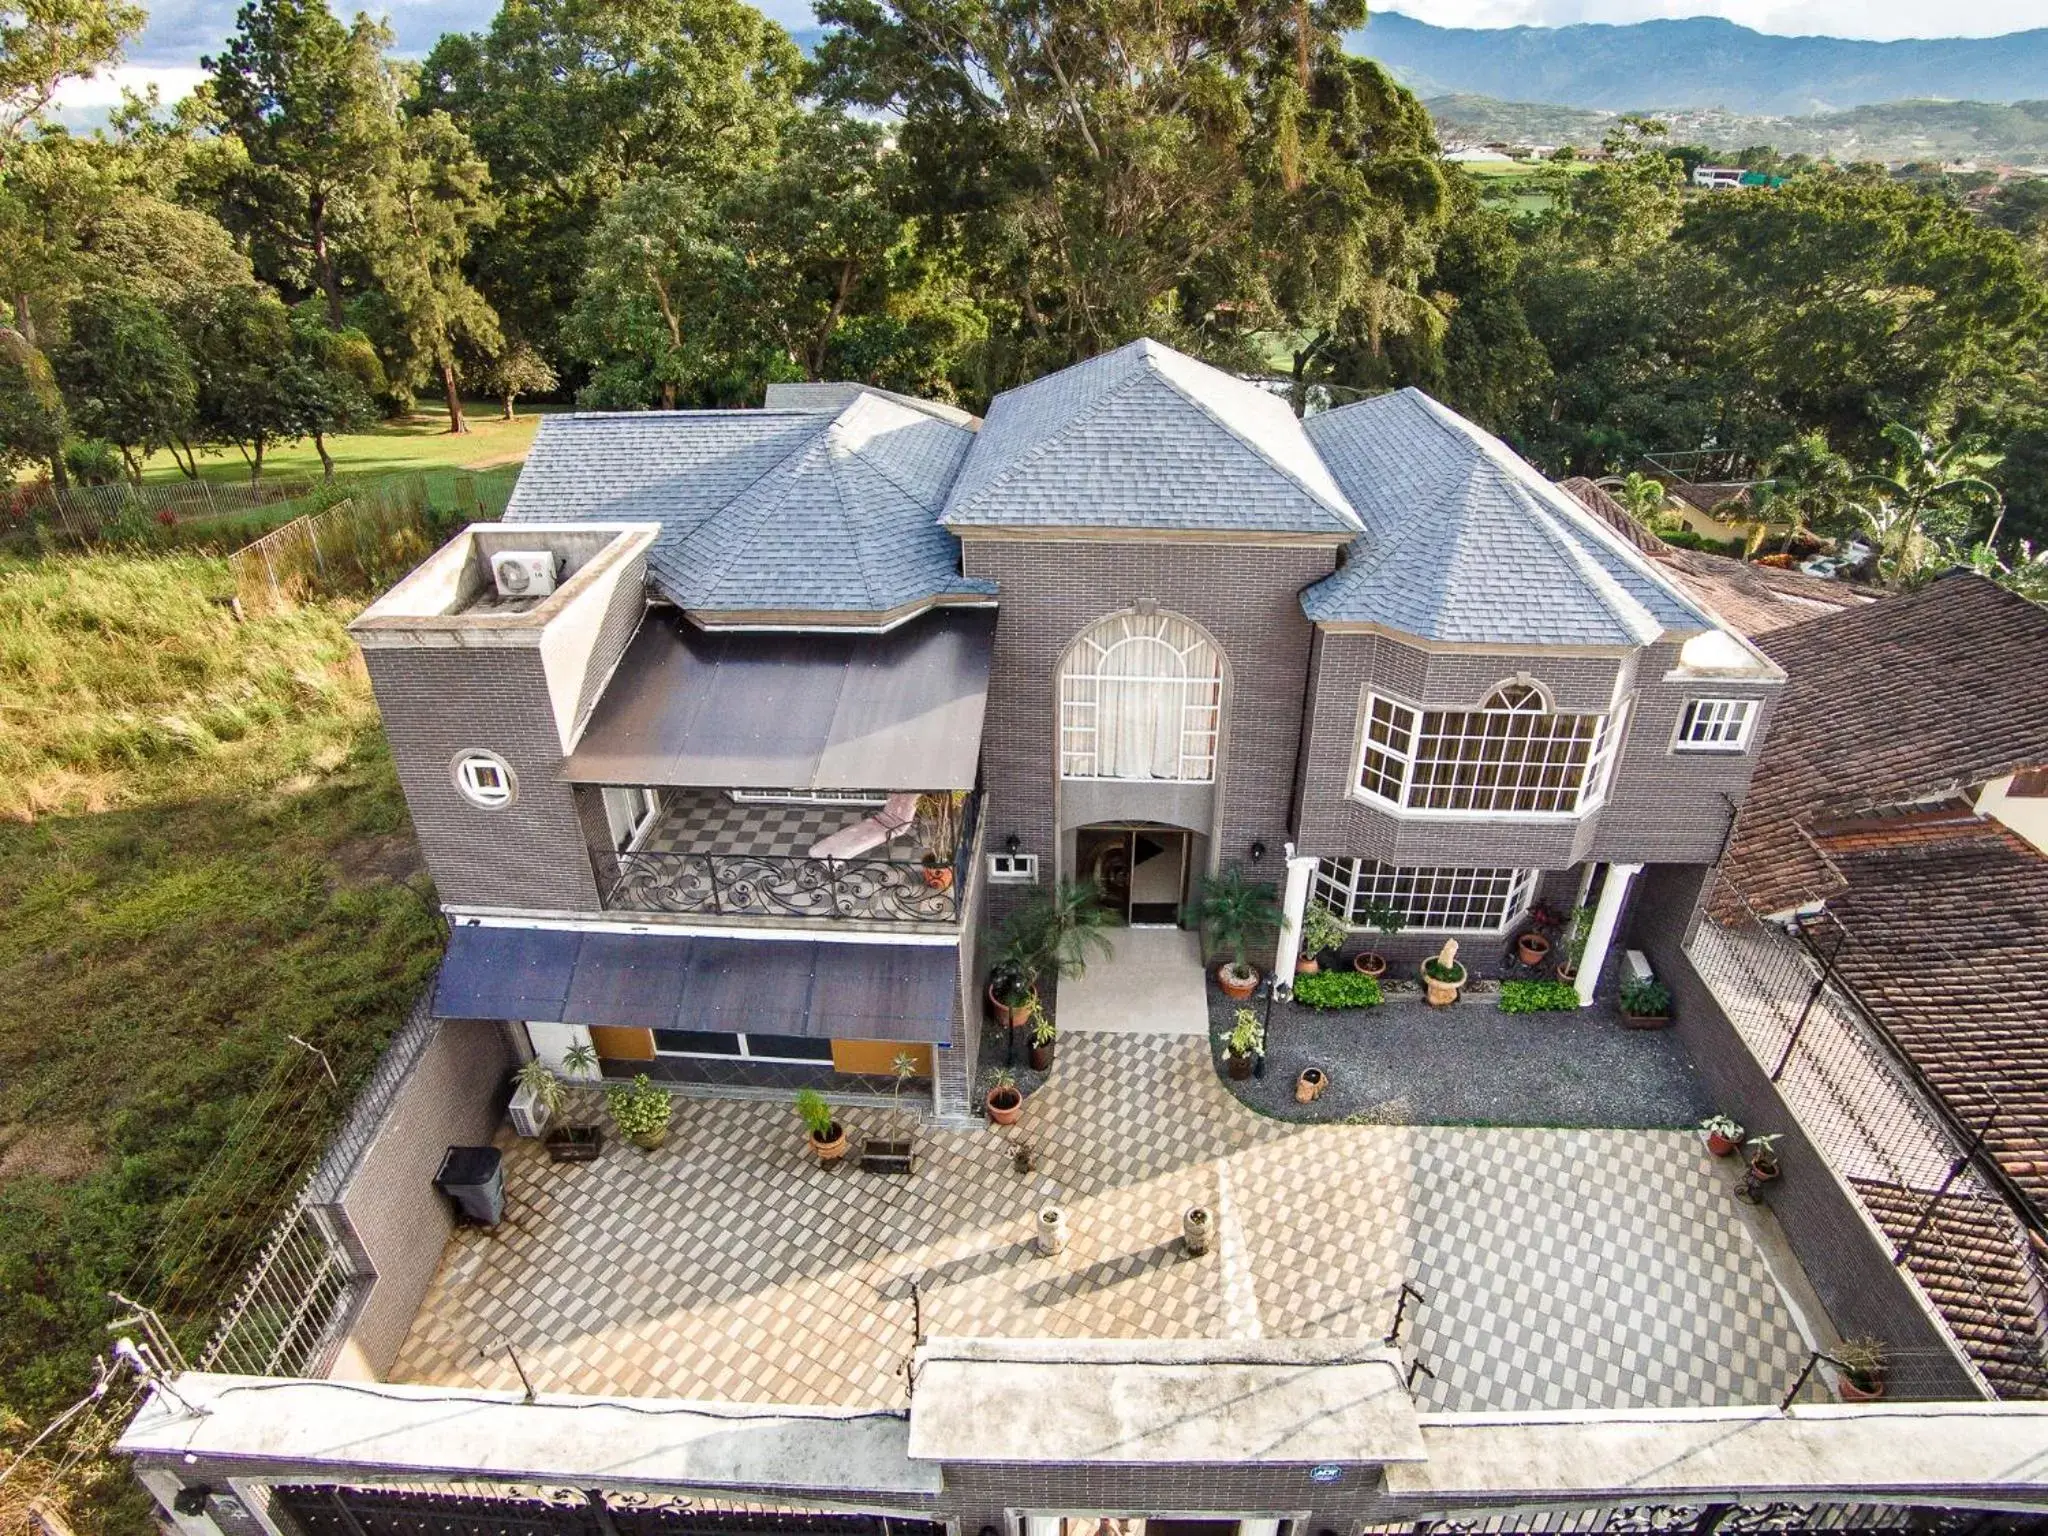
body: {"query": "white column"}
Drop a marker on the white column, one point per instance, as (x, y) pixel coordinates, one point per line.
(1293, 902)
(1613, 893)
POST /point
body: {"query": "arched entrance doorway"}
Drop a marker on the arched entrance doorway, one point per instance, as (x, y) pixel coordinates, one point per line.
(1140, 868)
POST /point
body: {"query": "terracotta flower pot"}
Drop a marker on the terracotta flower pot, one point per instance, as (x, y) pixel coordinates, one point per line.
(1013, 1018)
(831, 1146)
(1566, 971)
(1306, 967)
(1369, 964)
(1005, 1105)
(1310, 1085)
(1236, 988)
(1764, 1172)
(1847, 1389)
(1720, 1145)
(1532, 949)
(938, 877)
(1443, 993)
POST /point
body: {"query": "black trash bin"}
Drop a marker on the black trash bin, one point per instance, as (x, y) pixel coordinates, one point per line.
(474, 1178)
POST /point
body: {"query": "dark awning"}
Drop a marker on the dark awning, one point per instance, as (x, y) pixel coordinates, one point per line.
(735, 710)
(843, 991)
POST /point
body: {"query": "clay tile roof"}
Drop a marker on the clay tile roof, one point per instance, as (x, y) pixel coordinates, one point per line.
(1886, 704)
(1977, 1273)
(1755, 599)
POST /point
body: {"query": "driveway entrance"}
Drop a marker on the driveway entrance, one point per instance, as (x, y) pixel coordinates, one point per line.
(1149, 984)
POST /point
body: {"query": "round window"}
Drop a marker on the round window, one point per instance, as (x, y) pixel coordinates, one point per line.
(485, 779)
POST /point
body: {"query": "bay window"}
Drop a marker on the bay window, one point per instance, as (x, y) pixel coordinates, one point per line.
(1513, 756)
(1430, 898)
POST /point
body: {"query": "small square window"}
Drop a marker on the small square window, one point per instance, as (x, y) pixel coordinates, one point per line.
(1013, 868)
(1715, 725)
(485, 779)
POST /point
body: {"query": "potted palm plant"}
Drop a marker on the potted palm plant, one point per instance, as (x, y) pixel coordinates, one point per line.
(1235, 912)
(1003, 1100)
(1321, 931)
(1242, 1045)
(827, 1135)
(641, 1110)
(1444, 976)
(1385, 919)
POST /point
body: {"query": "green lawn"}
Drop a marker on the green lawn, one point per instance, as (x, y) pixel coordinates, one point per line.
(422, 441)
(203, 851)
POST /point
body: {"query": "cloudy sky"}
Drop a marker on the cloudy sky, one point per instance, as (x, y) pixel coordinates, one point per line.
(179, 31)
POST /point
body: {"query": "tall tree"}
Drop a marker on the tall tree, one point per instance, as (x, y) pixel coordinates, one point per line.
(266, 379)
(126, 374)
(569, 100)
(437, 197)
(32, 419)
(1113, 170)
(44, 43)
(312, 104)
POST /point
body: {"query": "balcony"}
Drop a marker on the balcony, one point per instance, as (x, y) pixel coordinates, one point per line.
(709, 855)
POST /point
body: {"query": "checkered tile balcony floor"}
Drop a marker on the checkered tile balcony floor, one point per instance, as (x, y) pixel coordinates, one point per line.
(1561, 1269)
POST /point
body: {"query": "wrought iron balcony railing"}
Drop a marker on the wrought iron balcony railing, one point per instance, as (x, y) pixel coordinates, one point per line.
(770, 885)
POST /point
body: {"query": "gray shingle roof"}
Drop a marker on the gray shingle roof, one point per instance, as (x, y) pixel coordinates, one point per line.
(765, 510)
(1466, 542)
(835, 397)
(1146, 438)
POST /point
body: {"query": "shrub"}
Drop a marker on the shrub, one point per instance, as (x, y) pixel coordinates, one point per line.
(1646, 999)
(1537, 997)
(1338, 989)
(815, 1113)
(639, 1108)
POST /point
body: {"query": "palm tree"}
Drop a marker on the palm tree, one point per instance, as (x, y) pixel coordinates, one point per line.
(1904, 547)
(1807, 486)
(1235, 913)
(1642, 496)
(1941, 486)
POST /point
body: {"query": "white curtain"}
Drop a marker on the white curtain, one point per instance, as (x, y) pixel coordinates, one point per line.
(1154, 682)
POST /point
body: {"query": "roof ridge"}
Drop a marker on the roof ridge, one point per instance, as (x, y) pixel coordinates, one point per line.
(1342, 508)
(860, 453)
(851, 512)
(1621, 602)
(737, 536)
(1038, 449)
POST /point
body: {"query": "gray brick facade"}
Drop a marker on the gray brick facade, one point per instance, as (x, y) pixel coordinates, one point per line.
(1245, 595)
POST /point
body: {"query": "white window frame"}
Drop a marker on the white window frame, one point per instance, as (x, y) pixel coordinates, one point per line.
(1013, 868)
(1719, 716)
(808, 796)
(484, 779)
(1201, 705)
(1345, 887)
(629, 811)
(1391, 729)
(745, 1053)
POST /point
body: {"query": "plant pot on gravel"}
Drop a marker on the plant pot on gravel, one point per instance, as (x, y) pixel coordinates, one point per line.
(1369, 963)
(1532, 949)
(1310, 1085)
(1004, 1101)
(1443, 978)
(1238, 980)
(1044, 1037)
(1384, 919)
(1321, 932)
(1645, 1004)
(1236, 913)
(1241, 1047)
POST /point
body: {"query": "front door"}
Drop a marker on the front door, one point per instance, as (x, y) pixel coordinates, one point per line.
(1139, 871)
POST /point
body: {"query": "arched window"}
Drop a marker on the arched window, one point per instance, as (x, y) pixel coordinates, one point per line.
(1141, 697)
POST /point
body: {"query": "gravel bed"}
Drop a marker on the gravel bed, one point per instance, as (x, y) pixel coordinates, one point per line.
(1406, 1063)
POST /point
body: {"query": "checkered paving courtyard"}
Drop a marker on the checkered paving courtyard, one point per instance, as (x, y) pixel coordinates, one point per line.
(710, 821)
(1558, 1269)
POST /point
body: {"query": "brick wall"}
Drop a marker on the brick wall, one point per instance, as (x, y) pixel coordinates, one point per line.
(454, 1096)
(438, 702)
(1843, 1256)
(1246, 596)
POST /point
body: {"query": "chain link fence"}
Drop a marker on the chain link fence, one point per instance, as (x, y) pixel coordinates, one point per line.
(1919, 1174)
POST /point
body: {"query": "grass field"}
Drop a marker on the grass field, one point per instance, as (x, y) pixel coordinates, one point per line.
(203, 851)
(422, 441)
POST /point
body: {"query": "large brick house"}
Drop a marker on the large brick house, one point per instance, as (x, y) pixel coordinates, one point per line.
(1142, 622)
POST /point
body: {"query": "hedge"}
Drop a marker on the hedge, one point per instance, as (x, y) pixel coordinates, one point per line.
(1538, 997)
(1337, 989)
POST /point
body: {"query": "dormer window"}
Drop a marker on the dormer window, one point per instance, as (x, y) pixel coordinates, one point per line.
(1512, 756)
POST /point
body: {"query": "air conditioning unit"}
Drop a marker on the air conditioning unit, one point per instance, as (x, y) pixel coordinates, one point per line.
(528, 1115)
(523, 572)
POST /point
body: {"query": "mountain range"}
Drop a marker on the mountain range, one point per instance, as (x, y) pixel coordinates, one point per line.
(1701, 62)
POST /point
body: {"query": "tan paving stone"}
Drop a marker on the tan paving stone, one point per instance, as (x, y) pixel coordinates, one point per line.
(1560, 1268)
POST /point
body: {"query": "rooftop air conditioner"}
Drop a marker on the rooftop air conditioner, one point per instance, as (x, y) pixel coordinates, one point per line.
(523, 572)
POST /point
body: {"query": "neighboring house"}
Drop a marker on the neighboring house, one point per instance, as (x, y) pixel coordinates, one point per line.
(1143, 621)
(1898, 826)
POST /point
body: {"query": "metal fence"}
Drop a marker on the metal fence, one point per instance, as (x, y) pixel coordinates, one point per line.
(1921, 1176)
(357, 545)
(291, 1314)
